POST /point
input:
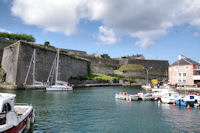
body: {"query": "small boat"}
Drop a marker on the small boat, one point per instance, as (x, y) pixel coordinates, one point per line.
(147, 96)
(14, 118)
(59, 85)
(197, 102)
(158, 93)
(122, 96)
(169, 97)
(186, 100)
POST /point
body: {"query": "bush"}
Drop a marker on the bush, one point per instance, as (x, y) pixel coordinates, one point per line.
(105, 56)
(11, 36)
(46, 43)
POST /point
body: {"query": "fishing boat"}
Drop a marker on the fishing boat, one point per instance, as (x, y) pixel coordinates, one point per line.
(59, 85)
(14, 118)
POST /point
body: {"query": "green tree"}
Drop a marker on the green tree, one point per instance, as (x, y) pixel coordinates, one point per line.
(105, 56)
(12, 36)
(46, 43)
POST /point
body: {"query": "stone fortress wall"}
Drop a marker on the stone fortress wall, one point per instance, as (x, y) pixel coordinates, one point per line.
(17, 57)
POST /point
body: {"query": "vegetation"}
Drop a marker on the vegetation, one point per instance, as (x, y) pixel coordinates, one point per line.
(131, 67)
(105, 56)
(117, 76)
(88, 69)
(12, 36)
(47, 44)
(63, 51)
(71, 53)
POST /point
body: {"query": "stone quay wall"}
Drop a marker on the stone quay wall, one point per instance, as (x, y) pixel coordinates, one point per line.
(17, 57)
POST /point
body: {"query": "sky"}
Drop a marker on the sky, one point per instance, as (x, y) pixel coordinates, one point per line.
(160, 30)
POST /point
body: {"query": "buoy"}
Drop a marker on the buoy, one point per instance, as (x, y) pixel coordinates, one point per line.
(174, 104)
(188, 106)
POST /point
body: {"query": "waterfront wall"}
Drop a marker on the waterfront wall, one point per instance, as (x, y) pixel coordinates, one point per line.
(17, 57)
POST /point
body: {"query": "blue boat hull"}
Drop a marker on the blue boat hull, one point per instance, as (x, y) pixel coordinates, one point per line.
(184, 103)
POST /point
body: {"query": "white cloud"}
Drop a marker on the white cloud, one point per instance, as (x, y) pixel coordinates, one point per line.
(142, 19)
(106, 36)
(196, 34)
(4, 30)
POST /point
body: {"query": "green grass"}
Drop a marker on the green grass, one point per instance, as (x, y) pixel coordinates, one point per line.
(94, 76)
(100, 76)
(131, 67)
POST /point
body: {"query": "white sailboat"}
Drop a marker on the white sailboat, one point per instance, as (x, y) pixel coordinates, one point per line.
(35, 83)
(59, 85)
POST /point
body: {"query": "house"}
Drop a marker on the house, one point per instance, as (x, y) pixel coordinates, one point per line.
(184, 71)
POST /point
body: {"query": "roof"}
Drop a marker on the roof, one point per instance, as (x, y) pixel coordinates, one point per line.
(185, 61)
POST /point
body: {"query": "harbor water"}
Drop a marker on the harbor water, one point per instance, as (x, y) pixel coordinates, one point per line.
(95, 110)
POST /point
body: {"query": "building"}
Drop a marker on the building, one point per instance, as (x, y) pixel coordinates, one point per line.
(184, 72)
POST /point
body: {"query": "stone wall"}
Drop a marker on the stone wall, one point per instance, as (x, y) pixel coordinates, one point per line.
(10, 61)
(4, 43)
(157, 65)
(101, 69)
(68, 65)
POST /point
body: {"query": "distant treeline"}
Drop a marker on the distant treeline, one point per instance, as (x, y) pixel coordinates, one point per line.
(12, 36)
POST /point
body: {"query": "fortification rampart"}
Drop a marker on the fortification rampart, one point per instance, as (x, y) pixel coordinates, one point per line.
(17, 57)
(4, 43)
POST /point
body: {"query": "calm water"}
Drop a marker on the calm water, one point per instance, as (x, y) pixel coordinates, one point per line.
(94, 110)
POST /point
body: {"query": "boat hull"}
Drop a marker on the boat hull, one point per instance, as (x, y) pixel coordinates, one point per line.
(23, 125)
(184, 103)
(59, 89)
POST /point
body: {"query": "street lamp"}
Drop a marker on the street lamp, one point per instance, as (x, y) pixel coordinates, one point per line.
(147, 70)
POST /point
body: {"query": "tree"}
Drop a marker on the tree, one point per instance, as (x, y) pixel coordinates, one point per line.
(46, 43)
(105, 56)
(12, 36)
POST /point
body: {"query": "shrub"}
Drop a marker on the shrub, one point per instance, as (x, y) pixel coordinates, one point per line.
(12, 36)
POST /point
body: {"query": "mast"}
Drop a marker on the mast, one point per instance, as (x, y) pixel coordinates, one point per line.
(34, 61)
(57, 65)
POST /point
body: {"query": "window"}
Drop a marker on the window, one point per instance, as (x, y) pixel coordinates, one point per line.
(179, 74)
(6, 107)
(184, 74)
(184, 81)
(186, 67)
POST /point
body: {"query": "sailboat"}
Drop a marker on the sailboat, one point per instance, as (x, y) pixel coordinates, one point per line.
(59, 85)
(35, 83)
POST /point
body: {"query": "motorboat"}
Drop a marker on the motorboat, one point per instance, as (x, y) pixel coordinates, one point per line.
(169, 97)
(14, 118)
(158, 93)
(147, 96)
(186, 100)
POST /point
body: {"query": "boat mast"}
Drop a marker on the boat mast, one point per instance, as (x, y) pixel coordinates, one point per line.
(34, 65)
(28, 69)
(57, 63)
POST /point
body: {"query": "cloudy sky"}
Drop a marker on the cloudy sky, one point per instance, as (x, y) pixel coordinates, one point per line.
(160, 29)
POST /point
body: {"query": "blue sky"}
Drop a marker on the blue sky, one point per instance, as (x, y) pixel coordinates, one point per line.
(118, 28)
